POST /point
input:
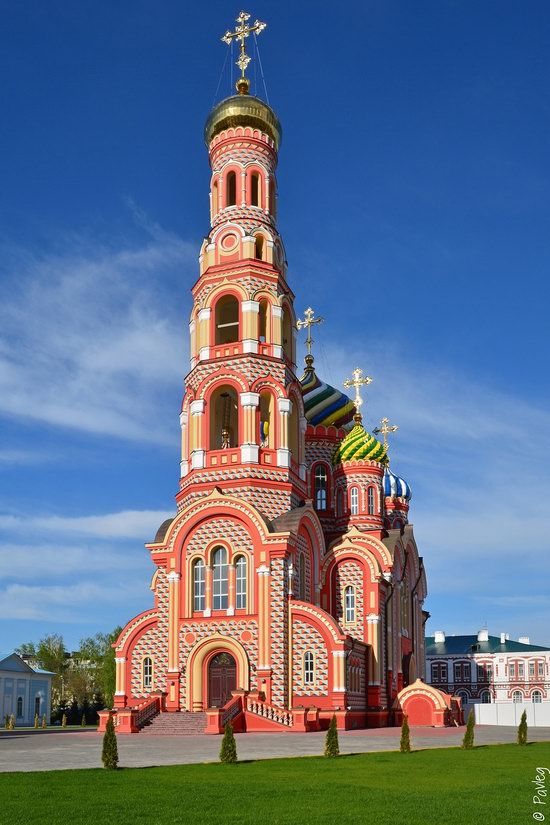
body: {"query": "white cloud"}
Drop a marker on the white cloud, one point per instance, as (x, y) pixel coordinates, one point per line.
(90, 335)
(127, 524)
(78, 602)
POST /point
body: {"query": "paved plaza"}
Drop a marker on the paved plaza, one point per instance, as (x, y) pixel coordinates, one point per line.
(61, 750)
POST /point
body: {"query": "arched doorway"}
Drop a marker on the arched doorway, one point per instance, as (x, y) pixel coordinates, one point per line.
(222, 679)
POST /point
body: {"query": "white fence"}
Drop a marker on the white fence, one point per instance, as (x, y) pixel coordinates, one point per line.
(509, 713)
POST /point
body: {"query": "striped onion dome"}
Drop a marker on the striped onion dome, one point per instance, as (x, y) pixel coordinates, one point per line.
(324, 404)
(359, 445)
(395, 487)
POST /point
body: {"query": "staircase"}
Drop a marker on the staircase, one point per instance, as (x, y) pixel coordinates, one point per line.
(175, 724)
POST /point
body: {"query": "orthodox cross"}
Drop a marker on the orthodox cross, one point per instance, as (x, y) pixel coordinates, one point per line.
(242, 31)
(357, 381)
(308, 321)
(385, 428)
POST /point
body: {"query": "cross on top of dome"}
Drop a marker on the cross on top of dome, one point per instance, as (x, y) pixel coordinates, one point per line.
(385, 429)
(357, 382)
(242, 31)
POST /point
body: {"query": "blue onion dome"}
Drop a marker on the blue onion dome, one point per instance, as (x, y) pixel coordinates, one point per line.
(324, 404)
(395, 487)
(359, 445)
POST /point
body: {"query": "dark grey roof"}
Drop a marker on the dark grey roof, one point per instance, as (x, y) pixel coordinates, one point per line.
(163, 529)
(456, 645)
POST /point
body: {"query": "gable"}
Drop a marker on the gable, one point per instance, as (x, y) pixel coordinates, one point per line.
(13, 662)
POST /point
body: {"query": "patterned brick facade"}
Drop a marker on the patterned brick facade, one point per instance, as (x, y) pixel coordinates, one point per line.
(305, 638)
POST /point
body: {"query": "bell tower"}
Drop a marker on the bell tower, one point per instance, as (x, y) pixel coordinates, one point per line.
(242, 417)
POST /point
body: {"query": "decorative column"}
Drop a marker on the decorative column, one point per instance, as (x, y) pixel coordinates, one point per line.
(277, 331)
(243, 188)
(250, 311)
(204, 333)
(184, 464)
(373, 637)
(263, 671)
(120, 698)
(339, 679)
(249, 448)
(192, 344)
(207, 590)
(303, 465)
(283, 452)
(198, 454)
(231, 579)
(173, 672)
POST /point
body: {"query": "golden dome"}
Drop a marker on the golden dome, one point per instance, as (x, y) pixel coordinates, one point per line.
(243, 110)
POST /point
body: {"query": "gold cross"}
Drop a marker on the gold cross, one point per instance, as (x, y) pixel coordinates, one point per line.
(385, 428)
(308, 321)
(357, 381)
(242, 31)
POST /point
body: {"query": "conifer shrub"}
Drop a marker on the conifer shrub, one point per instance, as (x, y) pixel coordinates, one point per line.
(468, 741)
(522, 729)
(332, 746)
(83, 722)
(64, 721)
(44, 723)
(11, 722)
(228, 750)
(36, 721)
(7, 721)
(405, 741)
(109, 753)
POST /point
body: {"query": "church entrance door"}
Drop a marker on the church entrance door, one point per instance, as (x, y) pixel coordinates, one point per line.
(222, 679)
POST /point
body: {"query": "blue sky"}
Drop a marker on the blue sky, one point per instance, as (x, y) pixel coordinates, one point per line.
(414, 205)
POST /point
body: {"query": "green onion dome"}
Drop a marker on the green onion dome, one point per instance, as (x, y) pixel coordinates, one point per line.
(359, 445)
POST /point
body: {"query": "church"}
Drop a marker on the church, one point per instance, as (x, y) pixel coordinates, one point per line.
(288, 586)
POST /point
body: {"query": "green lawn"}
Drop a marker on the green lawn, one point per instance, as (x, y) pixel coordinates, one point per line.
(489, 785)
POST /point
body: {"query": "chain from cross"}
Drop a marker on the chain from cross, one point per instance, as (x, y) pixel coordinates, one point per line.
(307, 322)
(385, 429)
(242, 31)
(358, 381)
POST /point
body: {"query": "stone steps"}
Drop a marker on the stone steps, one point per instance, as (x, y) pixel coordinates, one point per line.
(175, 724)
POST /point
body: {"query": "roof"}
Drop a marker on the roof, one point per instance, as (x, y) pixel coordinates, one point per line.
(465, 645)
(22, 665)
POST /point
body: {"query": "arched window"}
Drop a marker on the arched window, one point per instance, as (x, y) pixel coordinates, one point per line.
(199, 585)
(224, 419)
(227, 320)
(485, 697)
(349, 598)
(267, 438)
(339, 503)
(517, 696)
(219, 579)
(231, 190)
(20, 707)
(37, 706)
(463, 696)
(370, 501)
(147, 673)
(240, 583)
(288, 335)
(354, 501)
(255, 189)
(215, 198)
(263, 320)
(259, 247)
(309, 668)
(536, 697)
(320, 487)
(302, 577)
(272, 198)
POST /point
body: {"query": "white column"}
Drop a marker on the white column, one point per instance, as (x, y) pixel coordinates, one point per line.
(249, 448)
(283, 451)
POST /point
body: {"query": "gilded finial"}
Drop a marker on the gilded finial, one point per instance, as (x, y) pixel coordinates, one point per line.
(357, 382)
(307, 322)
(385, 429)
(242, 31)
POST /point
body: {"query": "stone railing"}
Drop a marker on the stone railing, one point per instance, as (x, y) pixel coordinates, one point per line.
(270, 712)
(131, 720)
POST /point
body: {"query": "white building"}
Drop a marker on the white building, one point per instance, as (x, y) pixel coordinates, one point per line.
(24, 690)
(496, 675)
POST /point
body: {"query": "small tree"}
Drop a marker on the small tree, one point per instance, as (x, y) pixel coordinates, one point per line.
(36, 721)
(522, 729)
(405, 742)
(228, 750)
(44, 723)
(7, 721)
(12, 722)
(83, 722)
(468, 741)
(109, 754)
(332, 747)
(64, 721)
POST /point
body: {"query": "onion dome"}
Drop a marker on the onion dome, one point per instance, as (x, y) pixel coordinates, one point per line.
(243, 109)
(395, 487)
(359, 445)
(324, 404)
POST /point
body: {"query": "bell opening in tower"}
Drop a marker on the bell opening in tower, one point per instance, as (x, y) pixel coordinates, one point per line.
(224, 420)
(227, 320)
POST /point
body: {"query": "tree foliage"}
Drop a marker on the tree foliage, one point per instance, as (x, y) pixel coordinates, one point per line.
(228, 750)
(468, 741)
(405, 741)
(332, 746)
(522, 729)
(109, 753)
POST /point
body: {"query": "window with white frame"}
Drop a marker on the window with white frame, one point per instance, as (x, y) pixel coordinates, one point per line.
(240, 583)
(536, 697)
(220, 580)
(309, 668)
(199, 585)
(349, 598)
(370, 501)
(485, 697)
(320, 484)
(531, 670)
(147, 673)
(512, 670)
(521, 670)
(464, 697)
(354, 501)
(439, 672)
(541, 669)
(517, 696)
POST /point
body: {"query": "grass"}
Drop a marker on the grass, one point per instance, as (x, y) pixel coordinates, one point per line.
(491, 784)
